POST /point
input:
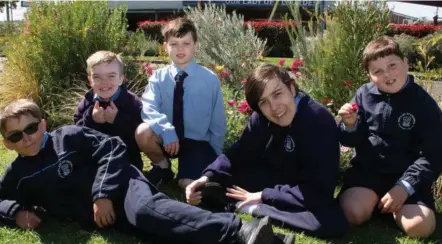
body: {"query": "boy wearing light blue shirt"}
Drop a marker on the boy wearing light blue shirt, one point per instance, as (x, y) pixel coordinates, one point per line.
(183, 110)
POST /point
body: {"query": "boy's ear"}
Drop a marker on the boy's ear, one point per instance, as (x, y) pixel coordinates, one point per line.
(43, 124)
(165, 46)
(89, 78)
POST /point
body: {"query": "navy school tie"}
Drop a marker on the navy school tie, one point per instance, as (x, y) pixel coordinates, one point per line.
(178, 118)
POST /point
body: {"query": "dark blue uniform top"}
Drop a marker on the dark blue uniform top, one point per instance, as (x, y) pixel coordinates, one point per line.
(303, 158)
(126, 122)
(77, 166)
(398, 134)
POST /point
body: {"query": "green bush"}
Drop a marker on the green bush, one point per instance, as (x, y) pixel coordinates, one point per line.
(224, 42)
(407, 44)
(48, 58)
(140, 45)
(333, 67)
(237, 114)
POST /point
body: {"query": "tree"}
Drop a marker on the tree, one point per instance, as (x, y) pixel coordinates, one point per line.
(12, 4)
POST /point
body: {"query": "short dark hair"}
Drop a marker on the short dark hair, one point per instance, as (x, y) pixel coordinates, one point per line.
(379, 48)
(16, 109)
(178, 28)
(258, 78)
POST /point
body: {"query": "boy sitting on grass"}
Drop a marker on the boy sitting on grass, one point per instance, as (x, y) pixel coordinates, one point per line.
(396, 128)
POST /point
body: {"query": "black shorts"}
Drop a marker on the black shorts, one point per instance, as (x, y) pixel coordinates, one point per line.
(193, 157)
(382, 183)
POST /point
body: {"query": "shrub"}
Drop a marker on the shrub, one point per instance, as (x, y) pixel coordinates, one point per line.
(237, 114)
(48, 58)
(224, 41)
(140, 45)
(333, 67)
(278, 42)
(407, 45)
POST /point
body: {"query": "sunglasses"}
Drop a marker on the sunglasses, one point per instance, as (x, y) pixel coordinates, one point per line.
(29, 130)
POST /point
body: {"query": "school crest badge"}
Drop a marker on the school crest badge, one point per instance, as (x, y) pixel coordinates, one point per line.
(65, 168)
(406, 121)
(289, 144)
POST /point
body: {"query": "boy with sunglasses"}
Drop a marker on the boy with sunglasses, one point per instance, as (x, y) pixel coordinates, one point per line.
(81, 174)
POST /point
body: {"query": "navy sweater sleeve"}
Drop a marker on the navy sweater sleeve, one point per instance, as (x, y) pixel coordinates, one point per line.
(109, 153)
(427, 168)
(9, 205)
(353, 138)
(318, 177)
(243, 152)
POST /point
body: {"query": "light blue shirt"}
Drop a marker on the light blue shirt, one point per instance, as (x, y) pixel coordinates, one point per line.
(204, 117)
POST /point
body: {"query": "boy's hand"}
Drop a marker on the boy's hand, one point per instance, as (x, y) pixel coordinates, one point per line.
(104, 214)
(192, 197)
(27, 220)
(110, 113)
(348, 115)
(246, 197)
(172, 148)
(98, 113)
(393, 200)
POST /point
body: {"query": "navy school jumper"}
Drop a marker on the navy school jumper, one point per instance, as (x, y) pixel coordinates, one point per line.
(398, 134)
(125, 124)
(79, 165)
(295, 167)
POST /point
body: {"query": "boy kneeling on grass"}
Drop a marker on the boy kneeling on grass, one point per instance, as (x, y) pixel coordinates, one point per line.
(81, 174)
(396, 129)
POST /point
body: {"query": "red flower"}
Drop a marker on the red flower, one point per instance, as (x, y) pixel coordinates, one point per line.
(355, 107)
(326, 101)
(231, 103)
(347, 83)
(244, 81)
(218, 22)
(281, 62)
(224, 74)
(296, 63)
(148, 68)
(244, 108)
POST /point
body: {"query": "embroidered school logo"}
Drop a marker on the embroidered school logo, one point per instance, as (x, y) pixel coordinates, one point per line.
(65, 168)
(289, 144)
(406, 121)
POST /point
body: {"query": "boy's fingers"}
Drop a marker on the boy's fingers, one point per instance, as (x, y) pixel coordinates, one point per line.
(113, 105)
(96, 105)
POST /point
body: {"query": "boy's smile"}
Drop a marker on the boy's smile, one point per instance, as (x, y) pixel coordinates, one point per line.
(105, 79)
(389, 73)
(277, 102)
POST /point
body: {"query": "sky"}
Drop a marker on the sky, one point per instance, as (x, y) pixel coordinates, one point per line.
(414, 10)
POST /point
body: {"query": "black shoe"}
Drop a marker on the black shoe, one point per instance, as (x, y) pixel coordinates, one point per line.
(213, 198)
(257, 231)
(284, 239)
(158, 176)
(214, 191)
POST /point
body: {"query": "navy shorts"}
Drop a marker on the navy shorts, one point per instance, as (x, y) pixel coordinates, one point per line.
(194, 156)
(357, 176)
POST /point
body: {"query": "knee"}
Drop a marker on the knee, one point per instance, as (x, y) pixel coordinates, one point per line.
(144, 134)
(355, 213)
(418, 226)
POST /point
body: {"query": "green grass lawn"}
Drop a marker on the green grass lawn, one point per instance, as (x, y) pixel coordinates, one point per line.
(382, 230)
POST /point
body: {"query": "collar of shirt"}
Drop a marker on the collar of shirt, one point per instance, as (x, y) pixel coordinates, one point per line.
(45, 139)
(190, 70)
(113, 98)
